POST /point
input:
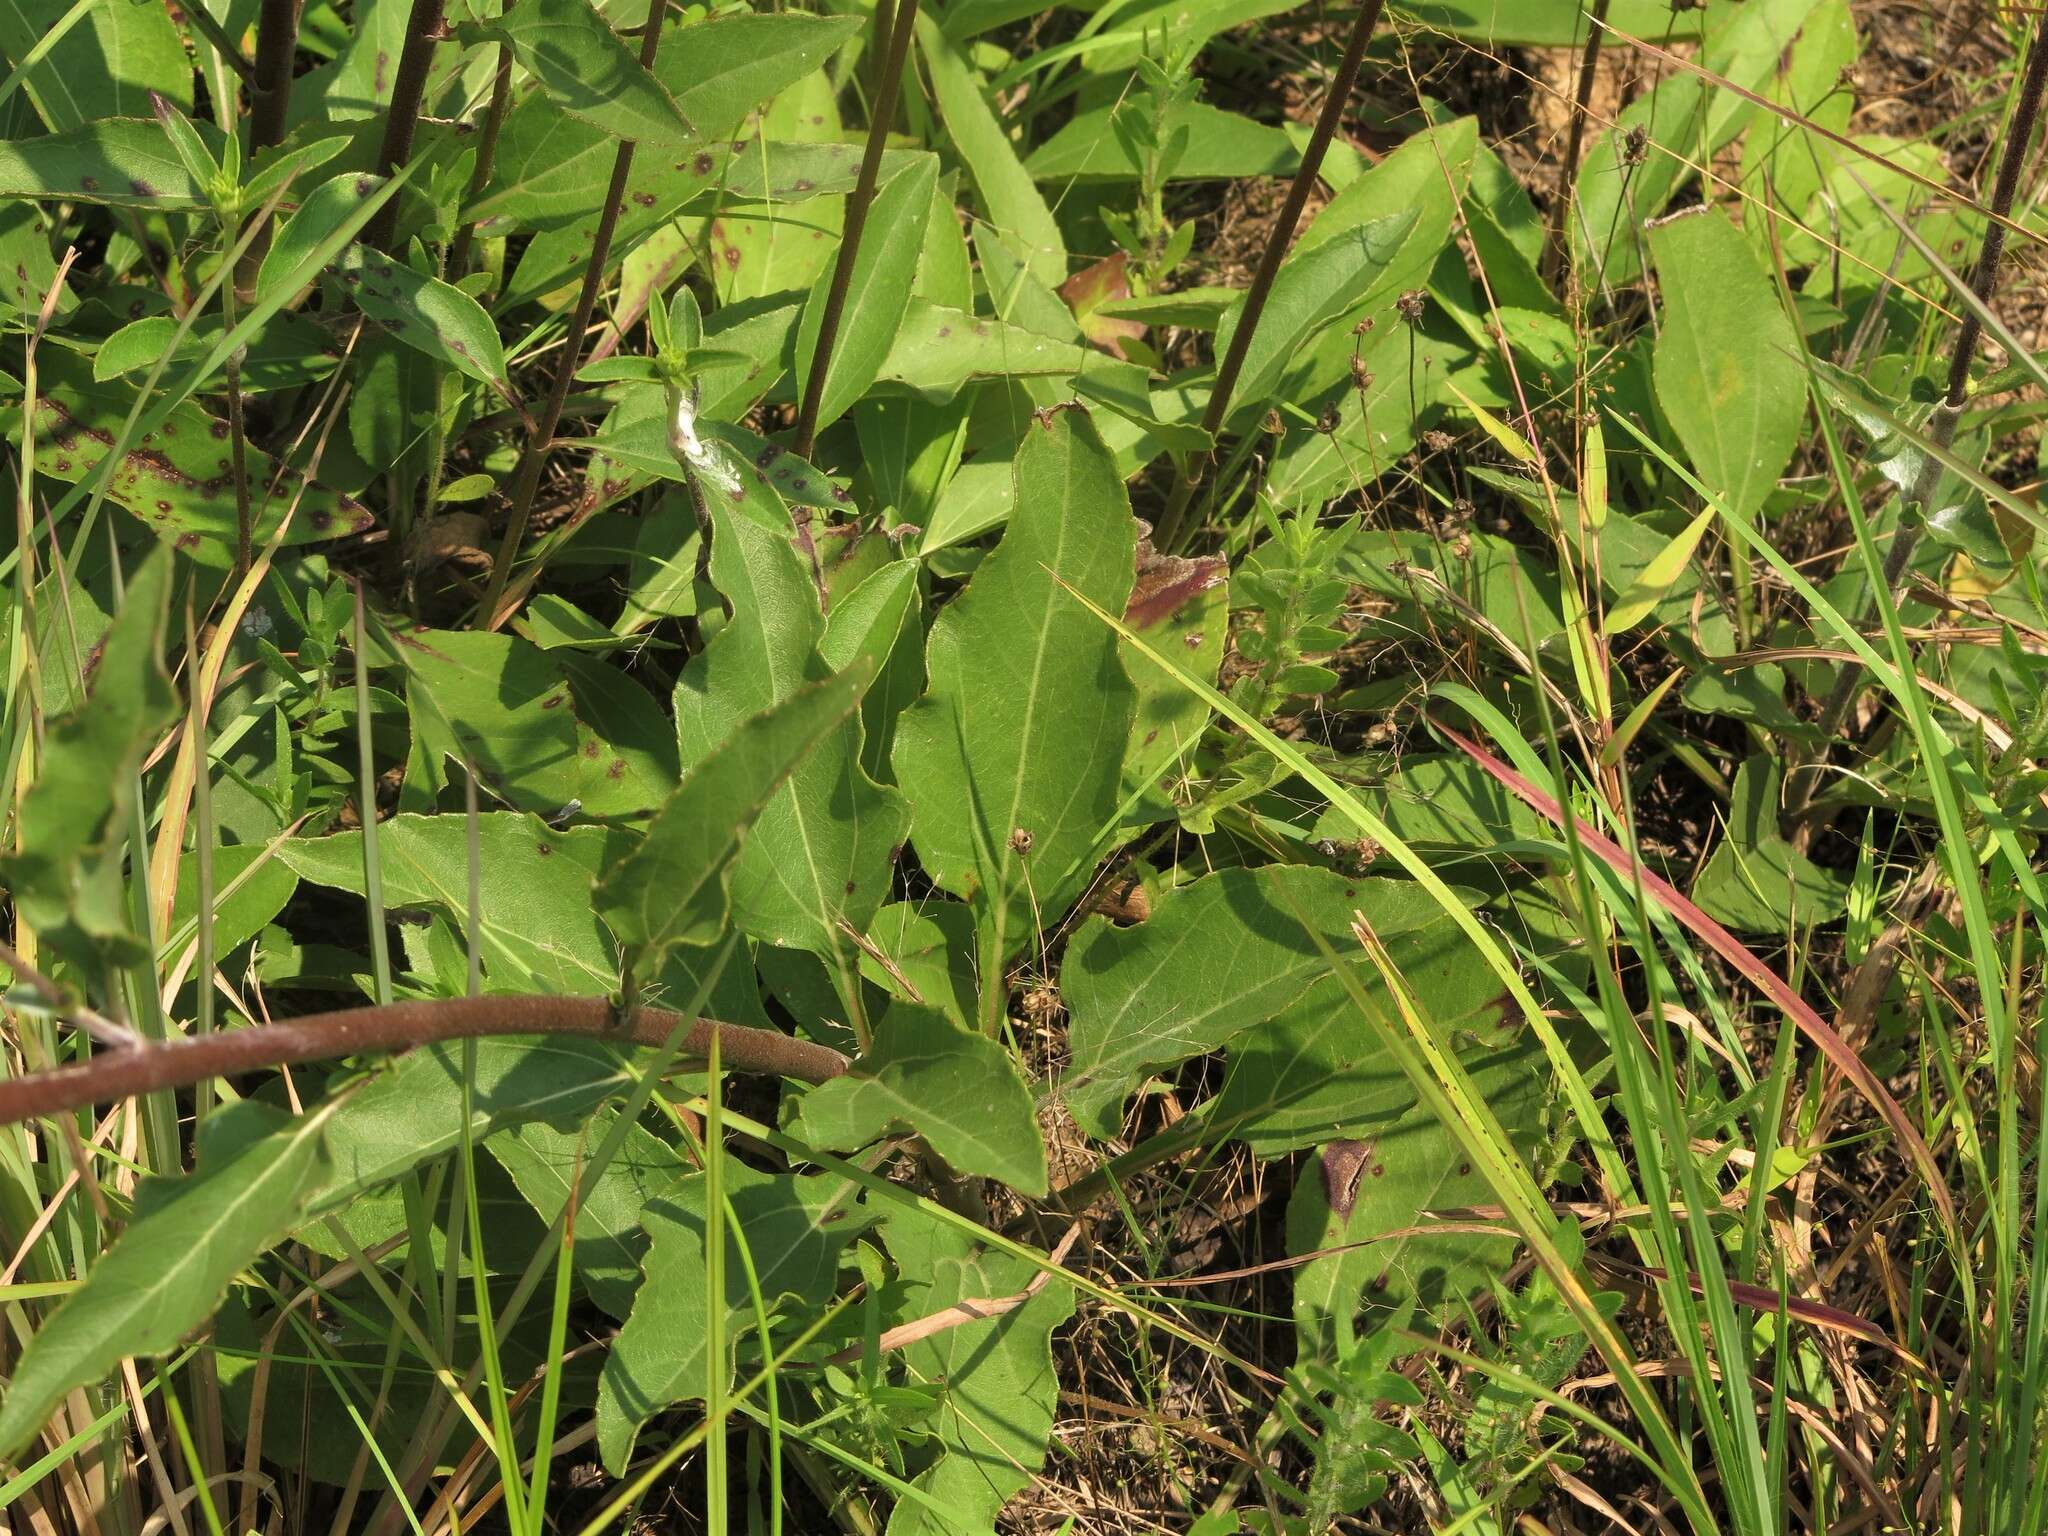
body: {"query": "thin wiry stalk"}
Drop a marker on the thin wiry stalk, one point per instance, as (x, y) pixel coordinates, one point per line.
(1558, 245)
(222, 44)
(113, 1075)
(893, 26)
(423, 30)
(526, 480)
(277, 38)
(486, 159)
(1941, 425)
(1277, 242)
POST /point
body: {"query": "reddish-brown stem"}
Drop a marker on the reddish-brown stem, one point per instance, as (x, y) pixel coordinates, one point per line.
(113, 1075)
(486, 158)
(893, 26)
(1278, 239)
(1559, 244)
(526, 480)
(277, 38)
(423, 30)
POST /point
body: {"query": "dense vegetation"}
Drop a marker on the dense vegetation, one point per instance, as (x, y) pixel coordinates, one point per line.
(1170, 765)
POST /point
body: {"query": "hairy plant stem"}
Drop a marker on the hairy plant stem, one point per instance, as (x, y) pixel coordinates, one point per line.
(423, 29)
(486, 159)
(893, 25)
(1277, 242)
(526, 479)
(1557, 246)
(1804, 782)
(123, 1074)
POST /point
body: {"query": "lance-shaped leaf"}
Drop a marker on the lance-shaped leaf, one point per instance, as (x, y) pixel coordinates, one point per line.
(1012, 758)
(1727, 362)
(428, 314)
(794, 1227)
(820, 852)
(65, 874)
(671, 889)
(995, 1415)
(123, 161)
(877, 292)
(190, 1236)
(1227, 961)
(957, 1089)
(587, 71)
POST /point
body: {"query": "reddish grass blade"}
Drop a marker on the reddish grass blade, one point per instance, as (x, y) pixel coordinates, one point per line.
(1736, 953)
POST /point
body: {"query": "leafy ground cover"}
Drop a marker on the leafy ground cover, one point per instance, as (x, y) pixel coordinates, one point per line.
(1149, 767)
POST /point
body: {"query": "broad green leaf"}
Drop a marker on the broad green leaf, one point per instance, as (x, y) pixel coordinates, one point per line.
(1315, 287)
(1375, 1191)
(1642, 595)
(65, 873)
(929, 1076)
(104, 67)
(26, 267)
(546, 1164)
(930, 950)
(1225, 962)
(1219, 146)
(289, 351)
(326, 208)
(1727, 362)
(586, 70)
(1552, 23)
(1009, 198)
(819, 854)
(535, 923)
(430, 315)
(190, 1236)
(938, 350)
(237, 918)
(544, 728)
(1013, 758)
(1000, 1387)
(877, 294)
(671, 889)
(1181, 606)
(1757, 882)
(119, 160)
(722, 69)
(177, 478)
(1437, 800)
(793, 1226)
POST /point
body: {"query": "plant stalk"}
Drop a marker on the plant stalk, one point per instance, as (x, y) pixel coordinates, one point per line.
(893, 25)
(1277, 242)
(1802, 786)
(277, 38)
(423, 30)
(178, 1063)
(526, 480)
(1557, 247)
(486, 159)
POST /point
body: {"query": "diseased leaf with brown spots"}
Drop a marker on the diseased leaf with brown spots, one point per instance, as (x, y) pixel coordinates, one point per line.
(178, 478)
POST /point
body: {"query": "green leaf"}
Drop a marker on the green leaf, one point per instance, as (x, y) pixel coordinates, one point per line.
(428, 314)
(587, 71)
(1757, 882)
(926, 1075)
(1180, 606)
(535, 924)
(546, 1163)
(1226, 962)
(819, 854)
(938, 350)
(1641, 597)
(122, 161)
(326, 209)
(671, 889)
(104, 67)
(1219, 146)
(722, 69)
(543, 728)
(1013, 758)
(794, 1227)
(65, 873)
(1314, 288)
(1009, 197)
(190, 1237)
(877, 294)
(1727, 362)
(177, 478)
(995, 1417)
